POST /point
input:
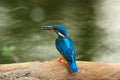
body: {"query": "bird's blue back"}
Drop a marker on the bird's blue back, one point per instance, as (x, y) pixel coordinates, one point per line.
(66, 48)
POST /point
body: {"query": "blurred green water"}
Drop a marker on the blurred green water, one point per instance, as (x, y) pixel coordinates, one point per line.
(21, 21)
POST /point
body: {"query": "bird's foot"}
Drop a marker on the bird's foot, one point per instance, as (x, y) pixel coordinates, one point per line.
(59, 60)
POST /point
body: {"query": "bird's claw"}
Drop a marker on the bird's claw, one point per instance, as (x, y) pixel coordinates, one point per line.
(59, 60)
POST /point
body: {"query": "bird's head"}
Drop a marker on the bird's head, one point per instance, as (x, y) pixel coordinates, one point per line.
(58, 29)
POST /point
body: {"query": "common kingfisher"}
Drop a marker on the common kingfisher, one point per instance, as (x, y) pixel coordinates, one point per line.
(64, 45)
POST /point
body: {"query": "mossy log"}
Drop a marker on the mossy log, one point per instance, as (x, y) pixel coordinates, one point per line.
(53, 70)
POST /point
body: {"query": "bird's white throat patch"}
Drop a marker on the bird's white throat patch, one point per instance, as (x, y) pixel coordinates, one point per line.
(60, 34)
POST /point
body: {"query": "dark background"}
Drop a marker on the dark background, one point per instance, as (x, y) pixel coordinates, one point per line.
(21, 38)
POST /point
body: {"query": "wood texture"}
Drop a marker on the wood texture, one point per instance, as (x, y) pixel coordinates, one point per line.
(53, 70)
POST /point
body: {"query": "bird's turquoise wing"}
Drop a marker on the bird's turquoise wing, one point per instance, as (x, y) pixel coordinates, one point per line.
(66, 48)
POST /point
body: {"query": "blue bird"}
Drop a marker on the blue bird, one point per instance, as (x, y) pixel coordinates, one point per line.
(64, 45)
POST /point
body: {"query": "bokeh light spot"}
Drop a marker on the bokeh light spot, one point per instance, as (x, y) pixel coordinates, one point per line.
(37, 14)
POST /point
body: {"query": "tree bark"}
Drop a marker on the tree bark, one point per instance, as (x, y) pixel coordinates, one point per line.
(53, 70)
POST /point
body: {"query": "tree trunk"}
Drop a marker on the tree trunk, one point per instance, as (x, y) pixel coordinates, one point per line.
(53, 70)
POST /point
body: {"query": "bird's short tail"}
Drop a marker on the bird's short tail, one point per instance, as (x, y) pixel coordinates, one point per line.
(72, 66)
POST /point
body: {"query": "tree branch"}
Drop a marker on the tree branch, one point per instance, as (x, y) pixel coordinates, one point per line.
(53, 70)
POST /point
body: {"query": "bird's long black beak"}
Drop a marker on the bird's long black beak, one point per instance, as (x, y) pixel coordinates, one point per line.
(47, 28)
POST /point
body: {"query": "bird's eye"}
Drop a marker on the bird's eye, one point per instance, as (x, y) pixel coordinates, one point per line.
(54, 28)
(57, 30)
